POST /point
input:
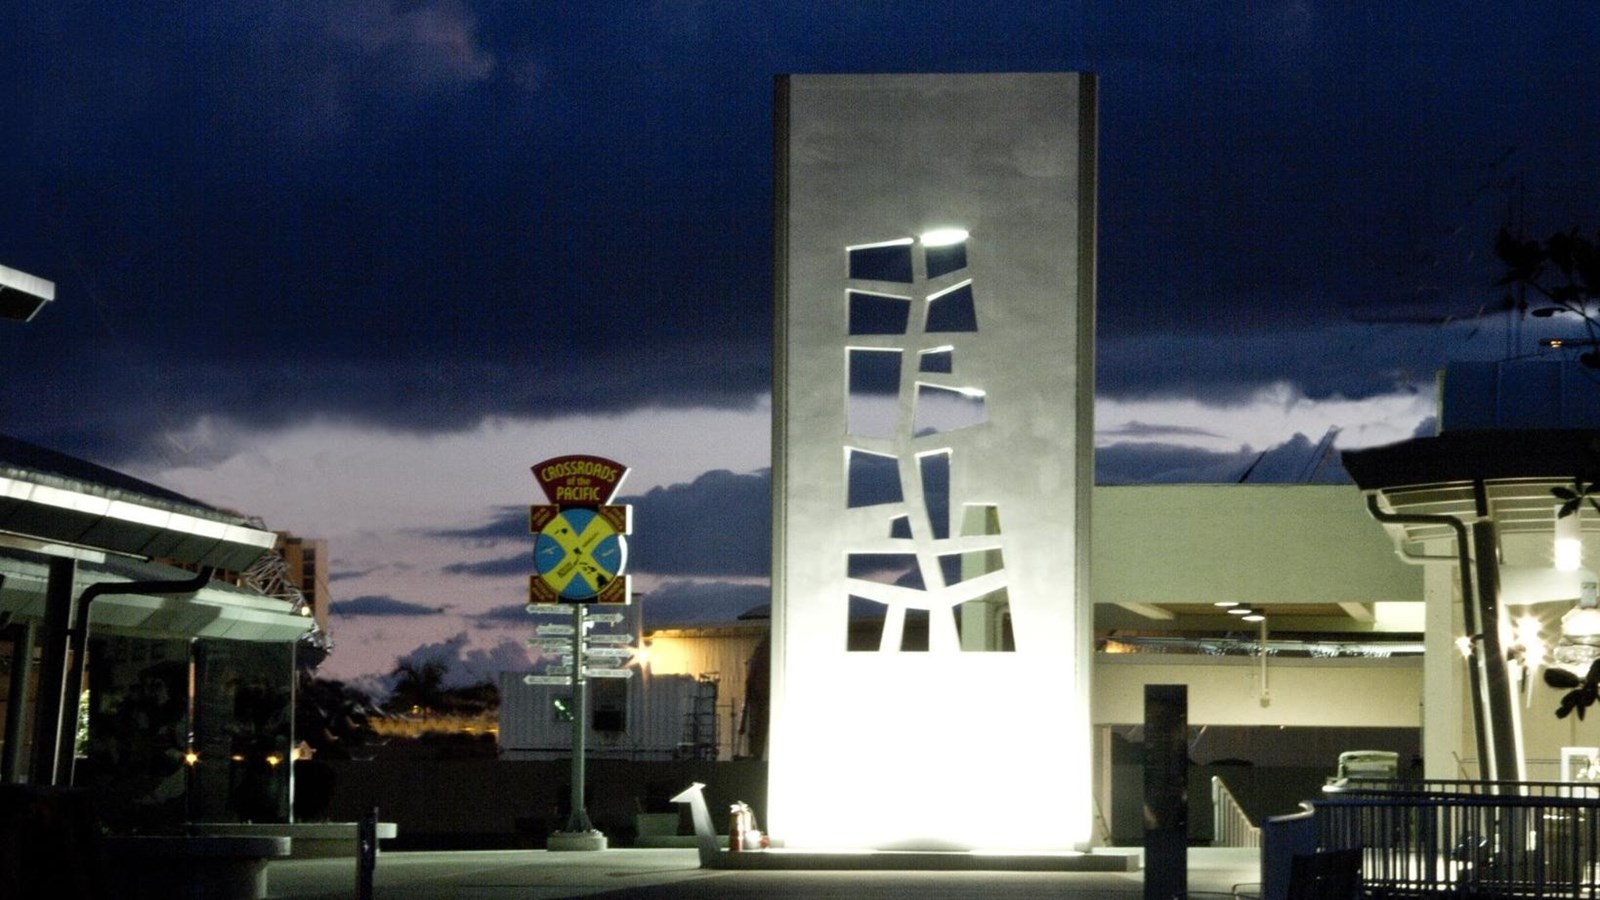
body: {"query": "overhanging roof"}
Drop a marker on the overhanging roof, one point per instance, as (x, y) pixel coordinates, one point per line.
(1478, 455)
(50, 497)
(23, 295)
(1507, 474)
(218, 610)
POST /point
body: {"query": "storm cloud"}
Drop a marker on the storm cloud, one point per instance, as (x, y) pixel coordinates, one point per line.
(380, 605)
(415, 216)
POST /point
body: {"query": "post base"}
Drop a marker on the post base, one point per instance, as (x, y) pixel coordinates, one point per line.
(576, 840)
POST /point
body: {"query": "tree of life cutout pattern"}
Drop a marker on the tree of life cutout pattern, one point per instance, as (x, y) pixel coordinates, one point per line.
(941, 586)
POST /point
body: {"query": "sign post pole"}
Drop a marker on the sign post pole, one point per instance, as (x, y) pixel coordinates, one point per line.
(578, 819)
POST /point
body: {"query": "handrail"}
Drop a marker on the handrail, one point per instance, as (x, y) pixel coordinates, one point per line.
(1439, 788)
(1448, 840)
(1230, 825)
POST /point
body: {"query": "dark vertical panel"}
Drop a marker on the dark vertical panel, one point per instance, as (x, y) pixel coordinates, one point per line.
(242, 730)
(138, 724)
(22, 640)
(1166, 791)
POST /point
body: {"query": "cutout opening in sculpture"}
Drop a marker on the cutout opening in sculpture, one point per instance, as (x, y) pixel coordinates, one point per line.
(887, 261)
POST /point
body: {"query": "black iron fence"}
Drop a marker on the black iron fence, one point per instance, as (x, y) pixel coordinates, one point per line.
(1467, 839)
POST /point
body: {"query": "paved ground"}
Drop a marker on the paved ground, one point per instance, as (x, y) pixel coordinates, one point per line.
(626, 874)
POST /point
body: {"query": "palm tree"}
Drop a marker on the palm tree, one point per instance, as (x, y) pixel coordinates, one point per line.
(418, 688)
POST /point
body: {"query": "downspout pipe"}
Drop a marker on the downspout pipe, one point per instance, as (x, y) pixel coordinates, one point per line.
(67, 761)
(1469, 610)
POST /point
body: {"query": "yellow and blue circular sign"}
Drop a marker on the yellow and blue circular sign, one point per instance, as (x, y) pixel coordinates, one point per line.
(578, 554)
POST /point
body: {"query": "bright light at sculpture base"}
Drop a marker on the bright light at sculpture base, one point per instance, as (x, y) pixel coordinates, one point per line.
(961, 761)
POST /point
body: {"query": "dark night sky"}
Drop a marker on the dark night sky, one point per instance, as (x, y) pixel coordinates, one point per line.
(286, 236)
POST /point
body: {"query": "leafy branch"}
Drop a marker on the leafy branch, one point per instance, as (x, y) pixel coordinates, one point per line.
(1581, 692)
(1564, 272)
(1572, 498)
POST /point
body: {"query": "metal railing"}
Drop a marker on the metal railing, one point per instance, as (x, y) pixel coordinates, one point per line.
(1386, 787)
(1467, 839)
(1230, 826)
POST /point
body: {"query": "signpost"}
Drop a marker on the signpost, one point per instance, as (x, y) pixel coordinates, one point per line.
(607, 652)
(580, 556)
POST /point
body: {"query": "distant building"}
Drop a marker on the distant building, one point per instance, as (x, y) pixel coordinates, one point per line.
(306, 563)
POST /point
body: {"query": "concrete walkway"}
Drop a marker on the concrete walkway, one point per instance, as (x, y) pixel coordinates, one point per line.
(631, 873)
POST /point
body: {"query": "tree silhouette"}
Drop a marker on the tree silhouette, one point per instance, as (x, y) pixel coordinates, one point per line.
(418, 688)
(1563, 272)
(332, 716)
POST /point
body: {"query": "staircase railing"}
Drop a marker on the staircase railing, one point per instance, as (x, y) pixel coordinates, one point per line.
(1230, 826)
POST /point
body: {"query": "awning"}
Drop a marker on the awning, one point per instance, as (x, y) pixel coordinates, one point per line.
(219, 610)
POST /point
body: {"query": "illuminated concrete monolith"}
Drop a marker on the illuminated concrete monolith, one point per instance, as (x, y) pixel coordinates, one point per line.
(933, 391)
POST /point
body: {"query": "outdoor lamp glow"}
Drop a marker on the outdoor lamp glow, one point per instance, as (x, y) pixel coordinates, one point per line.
(1533, 647)
(1569, 541)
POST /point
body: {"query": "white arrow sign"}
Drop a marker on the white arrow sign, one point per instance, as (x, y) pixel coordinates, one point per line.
(550, 644)
(558, 670)
(554, 630)
(607, 618)
(608, 652)
(549, 609)
(547, 679)
(610, 638)
(607, 673)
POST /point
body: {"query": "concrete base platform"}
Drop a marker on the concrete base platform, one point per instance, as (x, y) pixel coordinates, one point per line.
(309, 840)
(924, 861)
(629, 874)
(673, 841)
(576, 840)
(215, 867)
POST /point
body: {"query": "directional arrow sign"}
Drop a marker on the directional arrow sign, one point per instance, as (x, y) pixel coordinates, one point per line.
(607, 618)
(549, 609)
(547, 679)
(608, 652)
(550, 643)
(607, 673)
(554, 630)
(564, 671)
(610, 638)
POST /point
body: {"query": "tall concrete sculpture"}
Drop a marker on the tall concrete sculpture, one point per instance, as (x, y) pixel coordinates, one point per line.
(933, 400)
